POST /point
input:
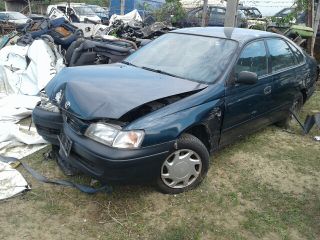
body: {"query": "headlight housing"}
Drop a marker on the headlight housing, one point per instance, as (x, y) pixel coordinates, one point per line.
(112, 135)
(46, 104)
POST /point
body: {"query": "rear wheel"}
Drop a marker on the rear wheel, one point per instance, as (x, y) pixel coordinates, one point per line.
(185, 167)
(296, 107)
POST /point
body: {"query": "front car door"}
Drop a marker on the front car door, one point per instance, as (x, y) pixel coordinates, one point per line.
(247, 106)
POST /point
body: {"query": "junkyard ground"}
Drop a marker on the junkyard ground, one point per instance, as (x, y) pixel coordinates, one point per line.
(266, 186)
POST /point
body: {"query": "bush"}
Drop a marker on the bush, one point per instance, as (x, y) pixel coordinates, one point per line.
(2, 8)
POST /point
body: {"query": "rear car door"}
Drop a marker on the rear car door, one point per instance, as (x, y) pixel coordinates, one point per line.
(247, 106)
(287, 75)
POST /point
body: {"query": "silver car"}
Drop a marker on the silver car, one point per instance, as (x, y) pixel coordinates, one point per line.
(14, 17)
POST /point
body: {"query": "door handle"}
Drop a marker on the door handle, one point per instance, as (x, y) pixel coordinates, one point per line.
(267, 90)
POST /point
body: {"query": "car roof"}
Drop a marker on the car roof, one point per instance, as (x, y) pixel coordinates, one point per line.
(66, 4)
(241, 35)
(246, 7)
(10, 12)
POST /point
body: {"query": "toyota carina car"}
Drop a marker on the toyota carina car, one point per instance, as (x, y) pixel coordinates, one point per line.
(160, 114)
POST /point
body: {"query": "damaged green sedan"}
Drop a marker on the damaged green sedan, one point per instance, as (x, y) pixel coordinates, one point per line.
(159, 114)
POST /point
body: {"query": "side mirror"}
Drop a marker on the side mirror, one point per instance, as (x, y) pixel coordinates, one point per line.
(246, 77)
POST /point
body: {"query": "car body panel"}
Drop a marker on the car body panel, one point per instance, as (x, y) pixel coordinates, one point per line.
(101, 99)
(245, 104)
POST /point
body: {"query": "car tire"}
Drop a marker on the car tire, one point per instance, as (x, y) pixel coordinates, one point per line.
(185, 167)
(296, 107)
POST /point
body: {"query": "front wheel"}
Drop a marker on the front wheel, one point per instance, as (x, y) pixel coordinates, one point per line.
(185, 167)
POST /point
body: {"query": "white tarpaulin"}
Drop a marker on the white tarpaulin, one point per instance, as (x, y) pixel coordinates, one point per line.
(27, 69)
(24, 71)
(15, 107)
(11, 181)
(18, 141)
(133, 15)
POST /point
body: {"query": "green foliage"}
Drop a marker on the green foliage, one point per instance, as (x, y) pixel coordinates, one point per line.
(172, 11)
(302, 5)
(2, 8)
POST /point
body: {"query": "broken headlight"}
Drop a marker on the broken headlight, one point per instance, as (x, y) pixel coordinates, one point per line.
(113, 136)
(46, 104)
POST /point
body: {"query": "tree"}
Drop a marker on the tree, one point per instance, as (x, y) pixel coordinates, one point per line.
(2, 7)
(301, 6)
(171, 11)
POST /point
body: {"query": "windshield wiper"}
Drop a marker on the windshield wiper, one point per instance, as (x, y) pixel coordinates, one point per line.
(160, 71)
(128, 63)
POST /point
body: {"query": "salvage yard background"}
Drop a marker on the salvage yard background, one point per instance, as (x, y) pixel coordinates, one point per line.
(265, 186)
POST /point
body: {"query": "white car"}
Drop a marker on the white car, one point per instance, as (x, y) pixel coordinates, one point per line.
(14, 17)
(78, 12)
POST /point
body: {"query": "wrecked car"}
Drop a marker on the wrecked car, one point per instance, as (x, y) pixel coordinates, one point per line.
(161, 112)
(78, 12)
(215, 17)
(14, 17)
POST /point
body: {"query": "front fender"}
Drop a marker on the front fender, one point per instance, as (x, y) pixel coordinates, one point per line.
(170, 127)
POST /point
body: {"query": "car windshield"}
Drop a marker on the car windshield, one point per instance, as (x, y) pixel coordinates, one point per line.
(251, 13)
(256, 12)
(16, 16)
(84, 11)
(284, 12)
(197, 58)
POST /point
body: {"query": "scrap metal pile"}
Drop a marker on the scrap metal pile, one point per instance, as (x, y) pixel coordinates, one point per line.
(137, 31)
(99, 43)
(6, 27)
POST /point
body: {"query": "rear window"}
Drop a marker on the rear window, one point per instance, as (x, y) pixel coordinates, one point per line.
(297, 53)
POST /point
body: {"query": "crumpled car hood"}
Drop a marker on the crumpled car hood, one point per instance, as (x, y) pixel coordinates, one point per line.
(110, 91)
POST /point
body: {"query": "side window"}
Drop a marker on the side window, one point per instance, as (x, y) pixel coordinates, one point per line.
(253, 59)
(299, 56)
(281, 54)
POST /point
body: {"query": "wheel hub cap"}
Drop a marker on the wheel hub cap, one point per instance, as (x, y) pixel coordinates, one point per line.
(181, 168)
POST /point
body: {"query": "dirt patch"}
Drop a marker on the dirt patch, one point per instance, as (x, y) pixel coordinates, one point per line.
(280, 175)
